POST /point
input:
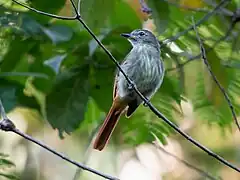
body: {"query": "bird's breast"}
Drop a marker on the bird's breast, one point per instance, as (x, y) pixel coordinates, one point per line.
(144, 68)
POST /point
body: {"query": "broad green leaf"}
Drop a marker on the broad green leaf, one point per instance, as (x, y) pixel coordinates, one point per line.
(160, 14)
(55, 62)
(9, 176)
(102, 87)
(96, 12)
(58, 33)
(53, 6)
(8, 18)
(16, 51)
(124, 15)
(12, 95)
(66, 103)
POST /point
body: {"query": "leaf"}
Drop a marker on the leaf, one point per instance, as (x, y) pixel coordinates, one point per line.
(124, 16)
(58, 33)
(5, 162)
(53, 6)
(9, 176)
(160, 14)
(66, 103)
(12, 95)
(96, 12)
(8, 18)
(29, 25)
(55, 62)
(8, 97)
(16, 51)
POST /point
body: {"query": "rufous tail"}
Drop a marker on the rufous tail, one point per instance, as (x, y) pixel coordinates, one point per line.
(108, 125)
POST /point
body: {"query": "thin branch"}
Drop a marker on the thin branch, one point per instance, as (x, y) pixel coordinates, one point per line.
(191, 166)
(202, 20)
(79, 5)
(181, 74)
(223, 10)
(147, 102)
(204, 58)
(87, 152)
(24, 74)
(44, 13)
(207, 50)
(204, 10)
(7, 125)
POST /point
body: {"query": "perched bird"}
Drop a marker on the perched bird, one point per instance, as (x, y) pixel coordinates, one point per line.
(144, 67)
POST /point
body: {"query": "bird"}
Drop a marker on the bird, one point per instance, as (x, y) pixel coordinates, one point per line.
(144, 67)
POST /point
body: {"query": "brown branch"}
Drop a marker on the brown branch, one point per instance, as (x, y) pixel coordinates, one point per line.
(146, 101)
(204, 58)
(191, 166)
(7, 125)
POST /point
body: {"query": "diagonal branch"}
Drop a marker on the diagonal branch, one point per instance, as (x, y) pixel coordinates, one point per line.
(147, 10)
(148, 103)
(196, 57)
(202, 20)
(204, 58)
(191, 166)
(7, 125)
(44, 13)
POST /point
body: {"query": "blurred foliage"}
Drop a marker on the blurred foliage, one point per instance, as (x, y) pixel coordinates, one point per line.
(54, 66)
(4, 164)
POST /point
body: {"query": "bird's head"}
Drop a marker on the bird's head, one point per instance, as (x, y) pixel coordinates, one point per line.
(141, 37)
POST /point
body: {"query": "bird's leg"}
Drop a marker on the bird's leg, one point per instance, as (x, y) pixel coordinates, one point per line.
(145, 104)
(131, 85)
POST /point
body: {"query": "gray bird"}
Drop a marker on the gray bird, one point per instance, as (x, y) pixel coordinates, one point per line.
(144, 67)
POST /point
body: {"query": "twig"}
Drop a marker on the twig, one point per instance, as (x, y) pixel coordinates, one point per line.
(44, 13)
(223, 10)
(87, 152)
(200, 171)
(7, 125)
(148, 103)
(207, 50)
(204, 10)
(204, 58)
(205, 18)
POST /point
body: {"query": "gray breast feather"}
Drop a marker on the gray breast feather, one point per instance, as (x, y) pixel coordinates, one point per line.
(144, 67)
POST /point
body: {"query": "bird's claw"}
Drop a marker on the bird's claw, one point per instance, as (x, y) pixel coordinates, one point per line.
(131, 85)
(146, 103)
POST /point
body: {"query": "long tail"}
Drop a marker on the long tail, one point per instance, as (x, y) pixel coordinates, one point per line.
(108, 125)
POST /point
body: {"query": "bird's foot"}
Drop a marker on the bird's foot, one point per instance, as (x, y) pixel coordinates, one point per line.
(145, 104)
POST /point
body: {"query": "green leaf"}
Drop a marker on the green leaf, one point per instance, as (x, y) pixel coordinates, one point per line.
(58, 33)
(160, 14)
(96, 12)
(12, 95)
(29, 25)
(16, 51)
(8, 18)
(66, 103)
(55, 62)
(102, 87)
(8, 97)
(9, 176)
(124, 15)
(53, 6)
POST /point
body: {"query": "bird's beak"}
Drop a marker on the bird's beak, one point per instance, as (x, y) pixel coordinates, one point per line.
(128, 36)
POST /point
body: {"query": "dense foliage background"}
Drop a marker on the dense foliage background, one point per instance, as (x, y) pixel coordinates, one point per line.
(52, 71)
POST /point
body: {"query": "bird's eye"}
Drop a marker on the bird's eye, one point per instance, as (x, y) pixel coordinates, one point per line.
(141, 33)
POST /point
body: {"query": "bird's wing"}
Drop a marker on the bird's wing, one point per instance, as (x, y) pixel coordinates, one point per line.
(115, 86)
